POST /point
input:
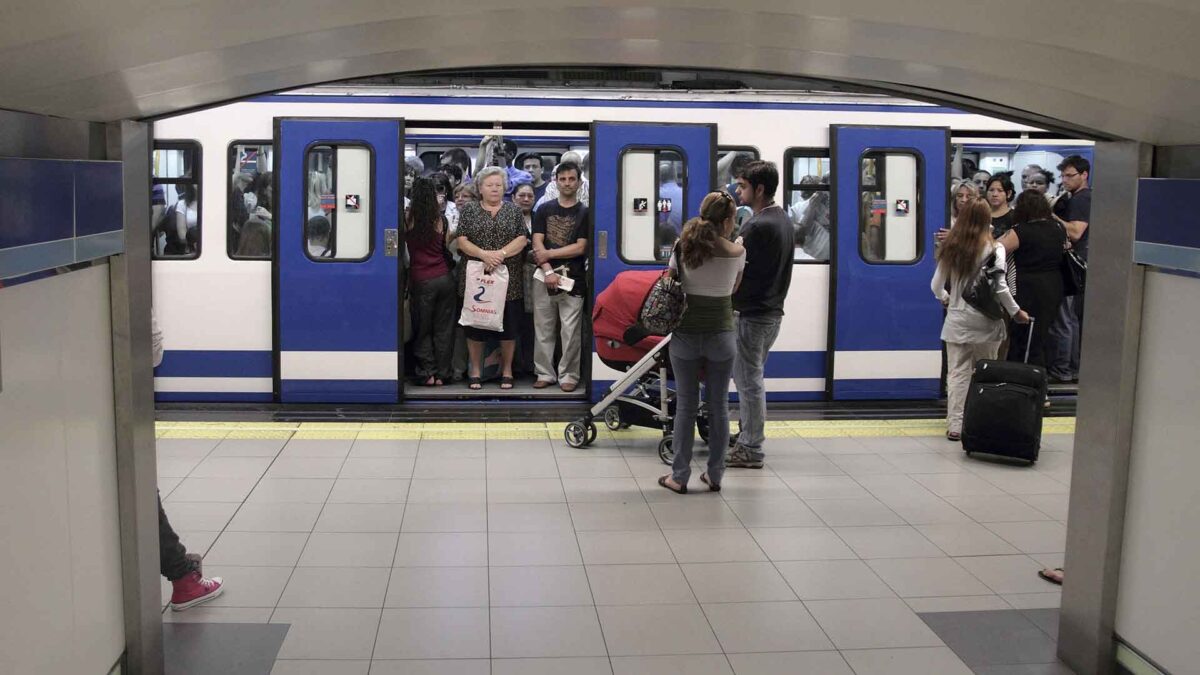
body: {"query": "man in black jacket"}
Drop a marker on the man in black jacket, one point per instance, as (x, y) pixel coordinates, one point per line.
(769, 239)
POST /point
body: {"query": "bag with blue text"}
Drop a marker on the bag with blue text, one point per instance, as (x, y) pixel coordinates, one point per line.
(483, 297)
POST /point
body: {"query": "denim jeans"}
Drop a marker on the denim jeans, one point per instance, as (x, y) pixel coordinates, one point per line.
(755, 335)
(1063, 360)
(690, 352)
(172, 555)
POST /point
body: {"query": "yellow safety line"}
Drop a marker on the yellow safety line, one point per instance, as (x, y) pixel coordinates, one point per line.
(535, 431)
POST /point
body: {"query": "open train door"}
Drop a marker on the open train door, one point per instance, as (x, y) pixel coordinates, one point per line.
(337, 274)
(647, 179)
(889, 196)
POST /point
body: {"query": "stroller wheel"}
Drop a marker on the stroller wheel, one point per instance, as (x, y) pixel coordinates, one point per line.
(665, 452)
(592, 432)
(576, 434)
(612, 417)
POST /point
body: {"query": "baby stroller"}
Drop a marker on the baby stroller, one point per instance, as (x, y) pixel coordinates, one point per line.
(641, 397)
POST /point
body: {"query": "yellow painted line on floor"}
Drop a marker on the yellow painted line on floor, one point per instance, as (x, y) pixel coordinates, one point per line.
(196, 433)
(390, 435)
(542, 430)
(331, 426)
(330, 435)
(258, 434)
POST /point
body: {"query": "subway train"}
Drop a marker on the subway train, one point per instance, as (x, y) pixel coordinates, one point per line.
(249, 313)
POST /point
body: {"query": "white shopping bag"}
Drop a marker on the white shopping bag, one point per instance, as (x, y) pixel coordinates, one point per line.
(483, 297)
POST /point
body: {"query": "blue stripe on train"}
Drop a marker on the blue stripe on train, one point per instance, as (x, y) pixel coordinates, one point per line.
(339, 391)
(896, 388)
(215, 363)
(214, 397)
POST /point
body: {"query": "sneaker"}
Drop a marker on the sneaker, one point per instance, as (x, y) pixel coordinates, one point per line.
(739, 458)
(193, 590)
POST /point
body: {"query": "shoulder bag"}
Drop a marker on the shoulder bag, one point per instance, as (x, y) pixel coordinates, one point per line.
(663, 308)
(1073, 269)
(980, 293)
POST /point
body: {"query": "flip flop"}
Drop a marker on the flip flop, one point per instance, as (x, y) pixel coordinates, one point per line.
(662, 480)
(506, 383)
(712, 487)
(1047, 577)
(474, 383)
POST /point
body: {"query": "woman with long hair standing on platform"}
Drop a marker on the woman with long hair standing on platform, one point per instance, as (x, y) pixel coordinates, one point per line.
(710, 267)
(969, 334)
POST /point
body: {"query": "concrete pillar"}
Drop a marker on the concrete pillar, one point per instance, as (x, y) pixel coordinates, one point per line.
(1099, 473)
(133, 384)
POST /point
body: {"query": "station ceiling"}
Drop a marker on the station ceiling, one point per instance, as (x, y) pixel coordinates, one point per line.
(1116, 68)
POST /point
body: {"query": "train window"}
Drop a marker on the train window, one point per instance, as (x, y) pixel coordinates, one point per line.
(653, 187)
(175, 200)
(730, 160)
(339, 202)
(250, 207)
(889, 211)
(806, 193)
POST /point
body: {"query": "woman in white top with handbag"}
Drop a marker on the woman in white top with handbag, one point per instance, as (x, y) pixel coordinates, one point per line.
(710, 268)
(969, 334)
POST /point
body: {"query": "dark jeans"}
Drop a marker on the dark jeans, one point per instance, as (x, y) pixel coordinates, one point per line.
(1065, 339)
(690, 353)
(433, 342)
(172, 555)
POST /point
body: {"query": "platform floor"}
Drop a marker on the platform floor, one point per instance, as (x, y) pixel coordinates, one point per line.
(496, 548)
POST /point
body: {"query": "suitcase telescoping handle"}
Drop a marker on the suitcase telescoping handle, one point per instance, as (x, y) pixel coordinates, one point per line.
(1029, 339)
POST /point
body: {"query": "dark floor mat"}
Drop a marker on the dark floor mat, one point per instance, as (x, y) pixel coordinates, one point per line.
(993, 638)
(221, 648)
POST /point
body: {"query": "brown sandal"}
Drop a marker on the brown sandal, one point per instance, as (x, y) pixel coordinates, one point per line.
(662, 480)
(712, 487)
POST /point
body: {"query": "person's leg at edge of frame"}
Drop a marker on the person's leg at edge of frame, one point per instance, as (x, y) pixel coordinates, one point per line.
(717, 377)
(189, 587)
(570, 316)
(1058, 361)
(685, 364)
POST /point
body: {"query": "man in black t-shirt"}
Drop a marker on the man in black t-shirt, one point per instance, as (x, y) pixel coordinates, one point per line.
(769, 239)
(1073, 210)
(560, 231)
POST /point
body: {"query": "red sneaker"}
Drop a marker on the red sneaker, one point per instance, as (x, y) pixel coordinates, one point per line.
(193, 590)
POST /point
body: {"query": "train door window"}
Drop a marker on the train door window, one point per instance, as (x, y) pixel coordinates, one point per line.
(889, 215)
(339, 202)
(175, 200)
(653, 185)
(806, 194)
(251, 204)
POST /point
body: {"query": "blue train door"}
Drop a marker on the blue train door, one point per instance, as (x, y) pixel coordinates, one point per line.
(647, 179)
(890, 196)
(337, 270)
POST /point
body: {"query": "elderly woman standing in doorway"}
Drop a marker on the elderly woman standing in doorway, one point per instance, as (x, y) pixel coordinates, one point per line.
(493, 232)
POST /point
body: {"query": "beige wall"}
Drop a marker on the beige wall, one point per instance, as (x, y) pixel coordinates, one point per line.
(1158, 607)
(60, 564)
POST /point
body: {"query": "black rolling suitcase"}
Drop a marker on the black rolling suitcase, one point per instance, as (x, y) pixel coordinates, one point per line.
(1003, 413)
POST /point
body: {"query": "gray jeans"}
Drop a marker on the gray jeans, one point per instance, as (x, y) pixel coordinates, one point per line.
(1063, 360)
(714, 352)
(755, 335)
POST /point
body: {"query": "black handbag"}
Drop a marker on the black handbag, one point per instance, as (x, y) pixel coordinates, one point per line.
(1073, 269)
(981, 292)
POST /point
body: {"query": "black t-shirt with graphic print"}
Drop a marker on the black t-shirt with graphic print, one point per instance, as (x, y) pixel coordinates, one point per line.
(563, 226)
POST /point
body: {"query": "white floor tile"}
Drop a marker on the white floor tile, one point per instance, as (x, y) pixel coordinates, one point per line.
(438, 587)
(802, 543)
(927, 577)
(833, 580)
(888, 542)
(737, 582)
(615, 548)
(562, 586)
(445, 549)
(642, 630)
(726, 545)
(920, 661)
(639, 585)
(336, 587)
(438, 633)
(790, 663)
(533, 548)
(872, 624)
(700, 664)
(349, 549)
(327, 633)
(765, 627)
(519, 632)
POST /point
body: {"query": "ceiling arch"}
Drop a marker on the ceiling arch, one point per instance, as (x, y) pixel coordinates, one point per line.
(1115, 67)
